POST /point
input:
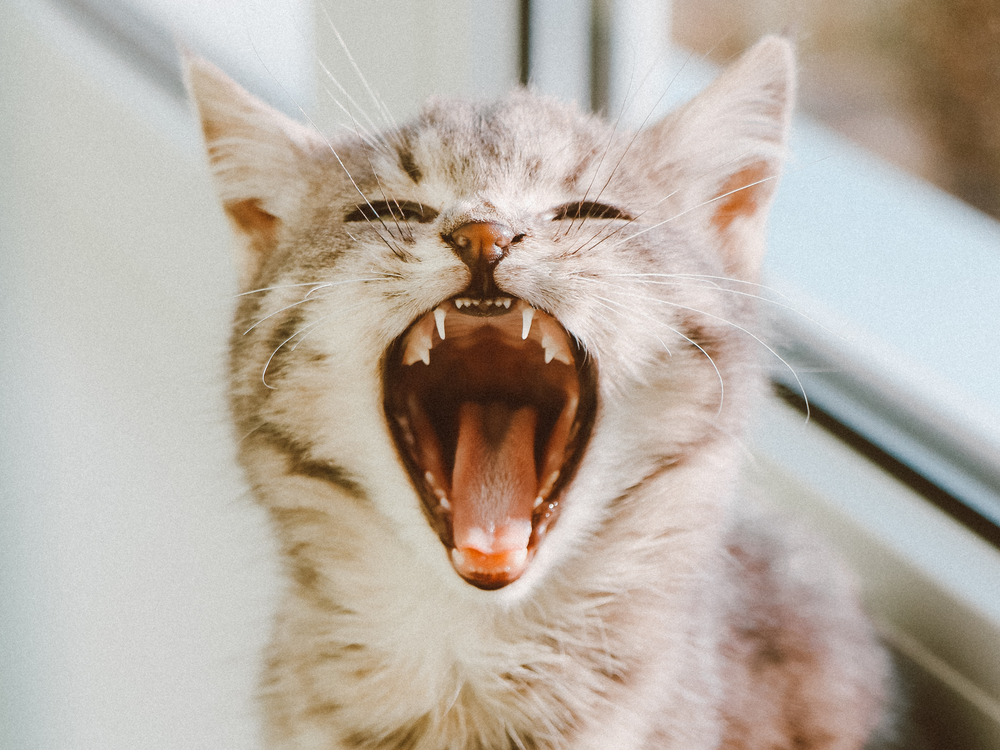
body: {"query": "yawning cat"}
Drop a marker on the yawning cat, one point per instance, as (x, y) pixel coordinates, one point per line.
(493, 368)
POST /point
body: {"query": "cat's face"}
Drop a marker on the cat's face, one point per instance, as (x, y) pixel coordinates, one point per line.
(494, 322)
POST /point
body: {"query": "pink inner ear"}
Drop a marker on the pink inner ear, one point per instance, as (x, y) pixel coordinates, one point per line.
(253, 221)
(744, 193)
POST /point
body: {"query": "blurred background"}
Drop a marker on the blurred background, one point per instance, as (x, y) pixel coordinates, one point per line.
(915, 81)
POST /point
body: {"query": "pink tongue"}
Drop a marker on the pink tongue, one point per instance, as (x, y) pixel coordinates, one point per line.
(494, 486)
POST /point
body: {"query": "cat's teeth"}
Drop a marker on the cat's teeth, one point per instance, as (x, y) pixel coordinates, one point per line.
(436, 489)
(419, 344)
(547, 487)
(439, 315)
(526, 315)
(504, 302)
(538, 501)
(554, 342)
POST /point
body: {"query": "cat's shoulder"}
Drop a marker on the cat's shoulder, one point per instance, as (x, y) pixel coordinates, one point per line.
(795, 628)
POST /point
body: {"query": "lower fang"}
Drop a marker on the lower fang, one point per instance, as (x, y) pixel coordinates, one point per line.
(547, 487)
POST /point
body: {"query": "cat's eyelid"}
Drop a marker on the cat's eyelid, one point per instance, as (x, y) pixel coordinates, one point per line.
(391, 210)
(577, 210)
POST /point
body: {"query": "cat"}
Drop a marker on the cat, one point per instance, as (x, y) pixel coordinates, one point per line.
(492, 370)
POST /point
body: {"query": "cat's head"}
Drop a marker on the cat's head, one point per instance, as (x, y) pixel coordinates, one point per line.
(495, 320)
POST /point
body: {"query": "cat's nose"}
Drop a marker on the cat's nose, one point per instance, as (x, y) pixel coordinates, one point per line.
(481, 245)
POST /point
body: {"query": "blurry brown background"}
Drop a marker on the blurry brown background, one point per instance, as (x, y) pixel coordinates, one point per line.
(916, 81)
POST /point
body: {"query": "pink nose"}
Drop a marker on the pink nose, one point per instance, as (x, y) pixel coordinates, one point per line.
(481, 245)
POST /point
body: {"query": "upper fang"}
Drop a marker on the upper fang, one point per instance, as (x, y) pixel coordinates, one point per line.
(439, 316)
(526, 316)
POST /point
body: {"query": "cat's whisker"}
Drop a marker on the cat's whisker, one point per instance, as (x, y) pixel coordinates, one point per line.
(769, 178)
(666, 197)
(597, 169)
(400, 253)
(636, 134)
(715, 285)
(696, 207)
(625, 151)
(321, 286)
(634, 219)
(718, 373)
(738, 327)
(393, 248)
(287, 286)
(687, 283)
(587, 246)
(306, 330)
(407, 233)
(329, 143)
(666, 347)
(362, 133)
(251, 432)
(371, 137)
(376, 100)
(307, 298)
(350, 99)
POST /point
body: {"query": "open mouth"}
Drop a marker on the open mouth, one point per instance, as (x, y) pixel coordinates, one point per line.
(491, 404)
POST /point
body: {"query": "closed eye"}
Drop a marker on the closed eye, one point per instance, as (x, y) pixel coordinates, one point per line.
(392, 211)
(589, 210)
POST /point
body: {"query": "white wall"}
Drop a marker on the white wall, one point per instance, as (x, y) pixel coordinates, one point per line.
(134, 573)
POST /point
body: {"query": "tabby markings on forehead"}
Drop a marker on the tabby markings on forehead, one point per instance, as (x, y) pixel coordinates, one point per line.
(410, 166)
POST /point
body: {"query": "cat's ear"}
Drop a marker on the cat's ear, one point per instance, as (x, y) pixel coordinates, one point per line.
(723, 151)
(259, 157)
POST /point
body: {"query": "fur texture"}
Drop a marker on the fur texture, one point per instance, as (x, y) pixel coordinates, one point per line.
(652, 614)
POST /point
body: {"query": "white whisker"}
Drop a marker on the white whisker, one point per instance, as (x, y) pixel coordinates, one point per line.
(738, 327)
(696, 207)
(376, 100)
(307, 298)
(633, 310)
(307, 329)
(282, 286)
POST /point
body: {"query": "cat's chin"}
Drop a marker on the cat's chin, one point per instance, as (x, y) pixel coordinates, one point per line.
(491, 405)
